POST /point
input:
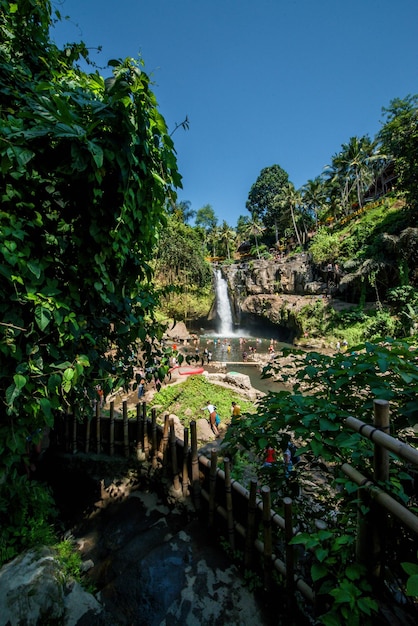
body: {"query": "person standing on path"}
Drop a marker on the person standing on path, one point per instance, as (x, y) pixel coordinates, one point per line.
(212, 417)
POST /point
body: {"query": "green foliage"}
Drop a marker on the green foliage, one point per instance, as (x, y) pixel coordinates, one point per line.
(85, 169)
(86, 166)
(382, 324)
(412, 583)
(327, 390)
(70, 559)
(336, 577)
(399, 136)
(26, 516)
(264, 194)
(180, 256)
(325, 246)
(187, 399)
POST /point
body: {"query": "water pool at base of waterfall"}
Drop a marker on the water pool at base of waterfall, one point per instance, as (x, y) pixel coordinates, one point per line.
(237, 354)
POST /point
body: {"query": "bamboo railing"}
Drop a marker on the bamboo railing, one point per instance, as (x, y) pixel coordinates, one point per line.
(245, 519)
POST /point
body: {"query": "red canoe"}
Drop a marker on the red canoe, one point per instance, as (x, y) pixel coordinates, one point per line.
(188, 371)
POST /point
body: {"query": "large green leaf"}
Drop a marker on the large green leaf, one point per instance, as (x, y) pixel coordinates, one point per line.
(42, 317)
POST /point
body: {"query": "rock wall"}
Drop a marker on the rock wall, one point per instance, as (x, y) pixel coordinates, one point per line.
(274, 290)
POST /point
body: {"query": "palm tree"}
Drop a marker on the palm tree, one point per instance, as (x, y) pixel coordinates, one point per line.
(353, 169)
(314, 195)
(290, 200)
(227, 236)
(182, 211)
(253, 227)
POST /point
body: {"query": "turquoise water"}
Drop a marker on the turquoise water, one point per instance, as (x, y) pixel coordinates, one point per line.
(229, 351)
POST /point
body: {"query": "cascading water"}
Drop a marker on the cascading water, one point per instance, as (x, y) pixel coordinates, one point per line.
(223, 306)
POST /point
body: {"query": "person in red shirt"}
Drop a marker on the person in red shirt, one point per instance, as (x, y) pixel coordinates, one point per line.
(270, 457)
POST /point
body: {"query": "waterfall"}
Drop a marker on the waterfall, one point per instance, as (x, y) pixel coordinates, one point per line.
(223, 306)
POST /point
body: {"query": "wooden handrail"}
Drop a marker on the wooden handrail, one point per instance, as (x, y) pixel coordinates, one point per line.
(404, 450)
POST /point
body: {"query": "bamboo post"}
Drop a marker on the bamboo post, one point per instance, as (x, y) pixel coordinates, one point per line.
(112, 428)
(125, 428)
(98, 440)
(381, 455)
(400, 448)
(173, 449)
(139, 432)
(406, 517)
(145, 426)
(268, 544)
(290, 562)
(363, 527)
(185, 477)
(154, 437)
(74, 444)
(164, 442)
(195, 466)
(212, 487)
(381, 473)
(250, 534)
(87, 442)
(228, 498)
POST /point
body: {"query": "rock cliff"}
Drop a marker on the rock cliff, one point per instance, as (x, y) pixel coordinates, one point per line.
(276, 290)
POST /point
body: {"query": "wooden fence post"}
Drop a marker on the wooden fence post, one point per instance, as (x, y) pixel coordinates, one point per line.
(145, 427)
(250, 534)
(212, 487)
(371, 518)
(173, 449)
(164, 442)
(98, 436)
(112, 429)
(268, 544)
(290, 562)
(154, 437)
(195, 466)
(381, 473)
(125, 428)
(185, 477)
(381, 455)
(228, 498)
(139, 433)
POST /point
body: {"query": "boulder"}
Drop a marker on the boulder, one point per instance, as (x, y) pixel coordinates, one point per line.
(178, 332)
(34, 589)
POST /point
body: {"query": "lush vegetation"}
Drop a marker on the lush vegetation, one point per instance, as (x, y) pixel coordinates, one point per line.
(329, 389)
(86, 167)
(90, 218)
(187, 399)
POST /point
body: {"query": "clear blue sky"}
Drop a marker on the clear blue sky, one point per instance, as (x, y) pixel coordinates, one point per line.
(261, 81)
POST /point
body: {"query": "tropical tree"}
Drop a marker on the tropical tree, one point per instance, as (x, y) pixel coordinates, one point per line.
(227, 237)
(86, 169)
(289, 202)
(178, 255)
(253, 228)
(181, 210)
(353, 170)
(399, 137)
(264, 197)
(206, 218)
(314, 196)
(207, 221)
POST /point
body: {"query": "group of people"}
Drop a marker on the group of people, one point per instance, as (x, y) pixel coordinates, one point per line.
(289, 458)
(215, 420)
(341, 347)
